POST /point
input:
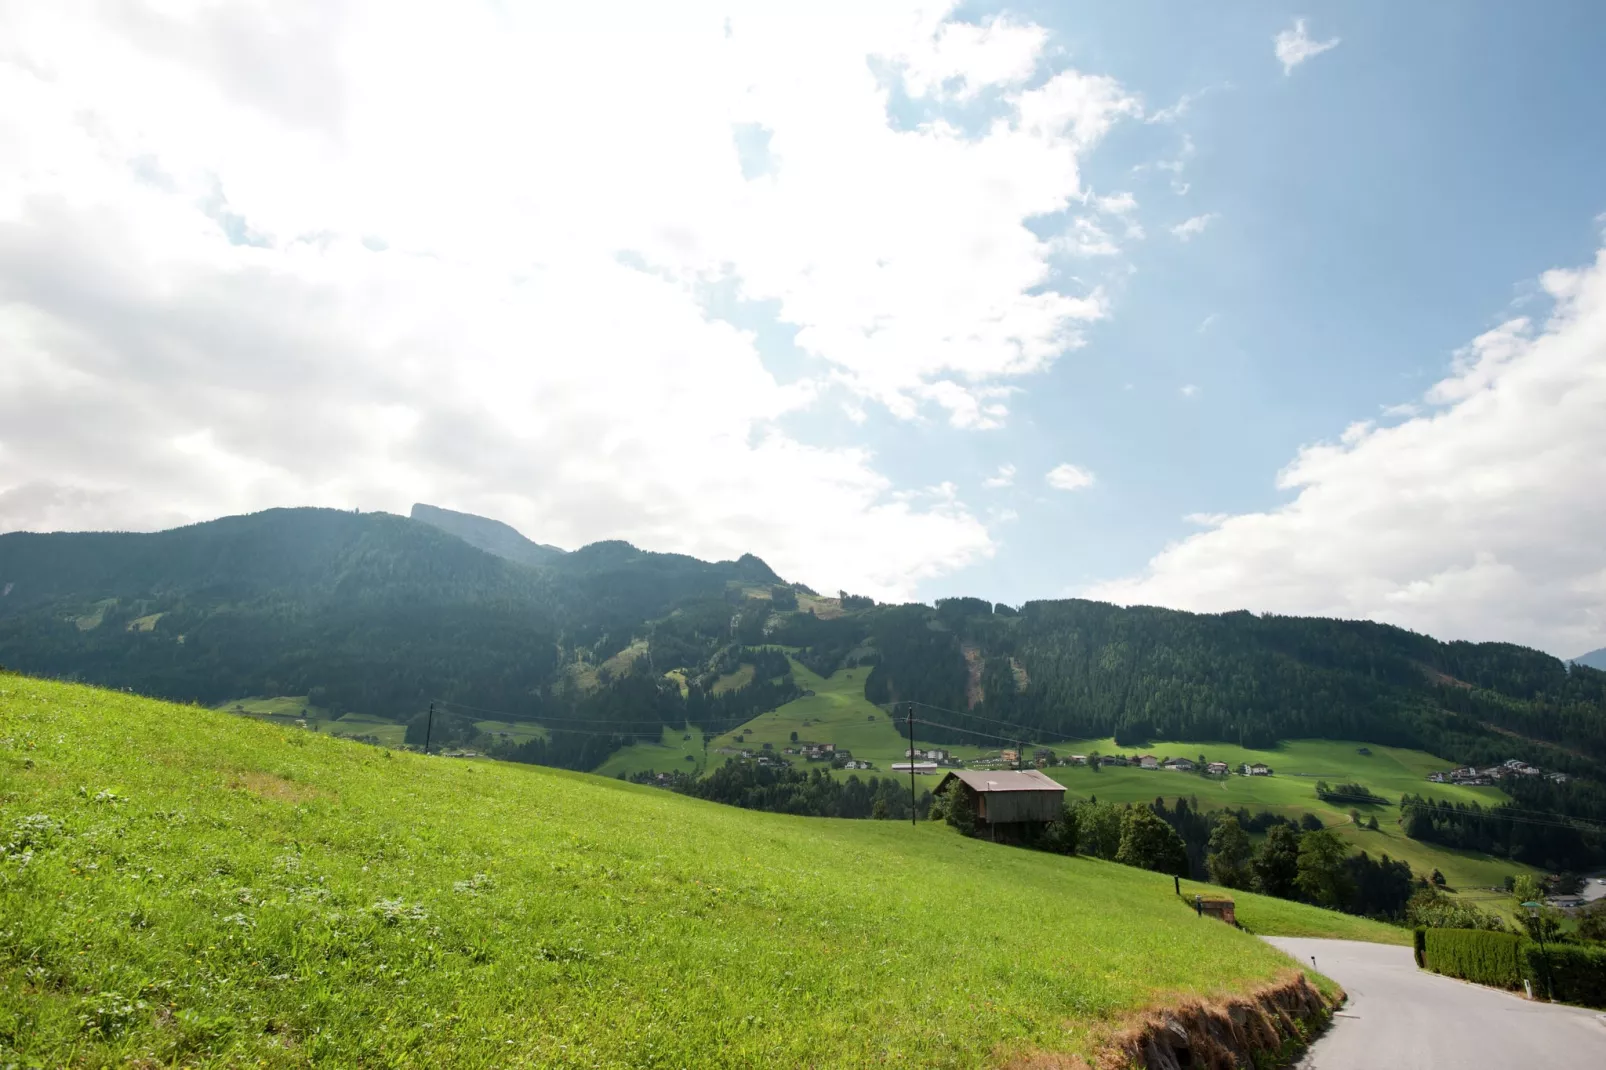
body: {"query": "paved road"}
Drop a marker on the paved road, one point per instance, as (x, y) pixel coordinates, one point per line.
(1399, 1016)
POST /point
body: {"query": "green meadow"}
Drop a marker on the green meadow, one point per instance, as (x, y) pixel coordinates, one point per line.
(179, 886)
(1291, 790)
(837, 712)
(287, 710)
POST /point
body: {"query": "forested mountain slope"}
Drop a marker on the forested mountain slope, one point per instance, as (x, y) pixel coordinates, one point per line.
(1077, 668)
(380, 614)
(366, 612)
(492, 536)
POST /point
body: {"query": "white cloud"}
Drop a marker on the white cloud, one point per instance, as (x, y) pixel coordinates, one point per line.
(249, 256)
(1117, 203)
(1005, 477)
(1479, 518)
(1189, 229)
(1175, 111)
(1206, 323)
(1083, 237)
(1294, 46)
(1068, 477)
(1189, 390)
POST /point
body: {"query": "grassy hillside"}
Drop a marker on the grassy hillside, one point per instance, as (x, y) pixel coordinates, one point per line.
(183, 886)
(839, 713)
(1299, 764)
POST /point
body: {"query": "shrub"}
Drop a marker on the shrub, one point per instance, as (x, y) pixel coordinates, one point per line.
(1149, 843)
(1419, 947)
(1576, 974)
(1487, 958)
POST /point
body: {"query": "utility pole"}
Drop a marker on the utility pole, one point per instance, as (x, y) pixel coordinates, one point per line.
(429, 727)
(914, 818)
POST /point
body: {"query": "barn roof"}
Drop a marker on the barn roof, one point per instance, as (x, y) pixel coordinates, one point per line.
(1003, 780)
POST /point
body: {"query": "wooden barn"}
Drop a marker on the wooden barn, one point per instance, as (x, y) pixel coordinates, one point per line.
(1010, 804)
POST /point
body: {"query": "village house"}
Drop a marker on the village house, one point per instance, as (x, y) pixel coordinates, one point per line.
(1149, 761)
(1010, 805)
(1111, 759)
(1077, 759)
(1010, 756)
(922, 768)
(1217, 768)
(1256, 769)
(1181, 765)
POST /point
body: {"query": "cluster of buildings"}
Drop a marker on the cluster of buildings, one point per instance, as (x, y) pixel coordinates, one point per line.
(1172, 765)
(1473, 777)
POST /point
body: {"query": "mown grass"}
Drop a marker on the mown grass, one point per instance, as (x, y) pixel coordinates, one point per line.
(181, 886)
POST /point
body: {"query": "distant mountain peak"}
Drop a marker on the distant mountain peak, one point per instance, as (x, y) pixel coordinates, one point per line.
(492, 536)
(1595, 659)
(754, 567)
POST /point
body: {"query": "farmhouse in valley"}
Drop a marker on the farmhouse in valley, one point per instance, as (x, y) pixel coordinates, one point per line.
(1256, 769)
(1009, 805)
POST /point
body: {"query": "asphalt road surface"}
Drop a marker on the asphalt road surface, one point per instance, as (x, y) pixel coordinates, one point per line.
(1401, 1017)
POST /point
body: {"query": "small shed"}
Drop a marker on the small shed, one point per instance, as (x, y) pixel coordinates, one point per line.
(1009, 803)
(1216, 906)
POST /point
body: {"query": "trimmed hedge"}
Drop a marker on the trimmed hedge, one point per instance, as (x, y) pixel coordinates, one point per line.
(1489, 958)
(1505, 960)
(1578, 973)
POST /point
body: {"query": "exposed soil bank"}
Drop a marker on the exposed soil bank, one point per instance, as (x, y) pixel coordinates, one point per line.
(1265, 1028)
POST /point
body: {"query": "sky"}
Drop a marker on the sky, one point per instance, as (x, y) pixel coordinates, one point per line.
(1296, 309)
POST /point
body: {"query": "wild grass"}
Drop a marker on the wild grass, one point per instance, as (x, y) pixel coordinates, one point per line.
(183, 887)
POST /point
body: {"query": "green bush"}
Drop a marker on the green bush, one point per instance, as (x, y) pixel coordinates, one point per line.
(1487, 958)
(1419, 947)
(1577, 973)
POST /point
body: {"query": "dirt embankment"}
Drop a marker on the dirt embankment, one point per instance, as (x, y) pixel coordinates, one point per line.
(1267, 1027)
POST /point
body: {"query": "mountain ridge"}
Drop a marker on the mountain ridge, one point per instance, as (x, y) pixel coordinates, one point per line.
(1595, 659)
(492, 536)
(381, 614)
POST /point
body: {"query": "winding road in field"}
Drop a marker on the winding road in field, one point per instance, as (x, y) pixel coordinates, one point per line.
(1399, 1016)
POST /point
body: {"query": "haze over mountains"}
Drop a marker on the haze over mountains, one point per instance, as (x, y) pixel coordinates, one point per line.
(1595, 659)
(380, 614)
(489, 535)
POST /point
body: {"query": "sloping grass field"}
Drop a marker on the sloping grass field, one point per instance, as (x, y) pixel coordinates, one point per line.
(837, 712)
(1299, 764)
(183, 887)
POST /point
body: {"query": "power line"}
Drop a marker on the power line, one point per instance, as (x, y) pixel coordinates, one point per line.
(528, 718)
(991, 720)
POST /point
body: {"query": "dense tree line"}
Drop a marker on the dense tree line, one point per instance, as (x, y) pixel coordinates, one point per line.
(1078, 669)
(812, 793)
(1507, 831)
(1302, 861)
